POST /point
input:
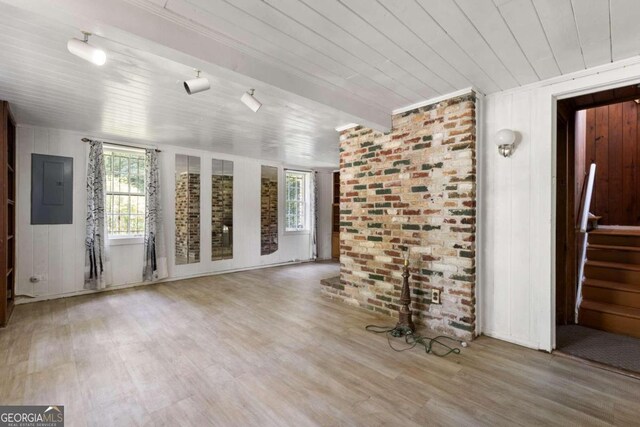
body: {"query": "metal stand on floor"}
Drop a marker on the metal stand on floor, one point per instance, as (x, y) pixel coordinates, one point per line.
(405, 326)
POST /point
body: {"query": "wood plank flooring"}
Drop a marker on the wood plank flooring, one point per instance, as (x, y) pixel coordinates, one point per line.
(265, 348)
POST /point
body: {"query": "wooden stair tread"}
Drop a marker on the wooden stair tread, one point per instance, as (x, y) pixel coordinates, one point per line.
(613, 248)
(618, 310)
(615, 231)
(614, 265)
(618, 286)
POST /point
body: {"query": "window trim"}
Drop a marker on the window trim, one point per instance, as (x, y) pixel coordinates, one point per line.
(123, 239)
(307, 202)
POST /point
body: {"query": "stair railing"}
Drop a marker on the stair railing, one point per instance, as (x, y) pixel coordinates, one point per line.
(584, 221)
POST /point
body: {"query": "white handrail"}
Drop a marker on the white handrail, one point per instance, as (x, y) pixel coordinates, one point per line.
(584, 219)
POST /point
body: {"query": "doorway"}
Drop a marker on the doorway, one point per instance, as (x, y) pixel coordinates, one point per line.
(601, 128)
(335, 217)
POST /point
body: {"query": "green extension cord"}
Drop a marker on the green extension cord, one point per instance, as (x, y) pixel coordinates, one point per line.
(413, 340)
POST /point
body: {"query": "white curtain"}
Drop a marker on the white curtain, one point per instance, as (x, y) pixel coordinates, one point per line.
(155, 259)
(314, 215)
(95, 254)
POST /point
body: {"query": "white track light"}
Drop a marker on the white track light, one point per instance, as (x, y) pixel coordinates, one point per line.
(199, 84)
(84, 50)
(250, 101)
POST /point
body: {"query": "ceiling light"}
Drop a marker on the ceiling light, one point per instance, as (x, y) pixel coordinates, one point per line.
(250, 101)
(199, 84)
(85, 51)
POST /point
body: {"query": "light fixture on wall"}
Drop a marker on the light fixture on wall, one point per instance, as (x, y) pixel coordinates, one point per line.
(84, 50)
(505, 139)
(199, 84)
(248, 100)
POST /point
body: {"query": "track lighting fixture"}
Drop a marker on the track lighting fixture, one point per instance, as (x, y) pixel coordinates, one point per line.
(250, 101)
(84, 50)
(199, 84)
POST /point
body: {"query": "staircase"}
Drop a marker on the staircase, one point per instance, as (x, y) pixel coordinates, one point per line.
(611, 290)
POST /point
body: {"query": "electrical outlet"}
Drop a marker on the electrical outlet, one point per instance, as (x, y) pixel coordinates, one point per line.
(435, 296)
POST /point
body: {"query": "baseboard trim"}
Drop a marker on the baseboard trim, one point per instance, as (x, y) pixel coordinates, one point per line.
(28, 300)
(513, 340)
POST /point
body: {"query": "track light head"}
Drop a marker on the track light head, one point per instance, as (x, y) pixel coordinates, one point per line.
(84, 50)
(250, 101)
(199, 84)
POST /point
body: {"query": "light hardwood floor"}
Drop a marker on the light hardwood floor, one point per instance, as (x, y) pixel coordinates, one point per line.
(265, 348)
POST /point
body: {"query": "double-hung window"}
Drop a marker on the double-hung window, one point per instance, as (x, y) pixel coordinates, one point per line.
(125, 202)
(297, 201)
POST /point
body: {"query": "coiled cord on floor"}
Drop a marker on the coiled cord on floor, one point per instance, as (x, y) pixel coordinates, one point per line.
(412, 340)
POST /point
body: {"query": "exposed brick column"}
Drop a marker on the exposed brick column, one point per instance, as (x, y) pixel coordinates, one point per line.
(416, 186)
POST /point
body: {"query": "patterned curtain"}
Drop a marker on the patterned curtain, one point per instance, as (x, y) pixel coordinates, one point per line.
(314, 213)
(95, 255)
(155, 260)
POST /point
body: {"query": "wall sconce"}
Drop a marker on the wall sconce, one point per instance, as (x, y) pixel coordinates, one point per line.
(505, 139)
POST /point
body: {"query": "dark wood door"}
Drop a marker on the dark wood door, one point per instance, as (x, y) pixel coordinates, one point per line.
(335, 217)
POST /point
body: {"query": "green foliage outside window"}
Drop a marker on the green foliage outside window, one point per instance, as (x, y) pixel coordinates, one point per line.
(125, 202)
(296, 201)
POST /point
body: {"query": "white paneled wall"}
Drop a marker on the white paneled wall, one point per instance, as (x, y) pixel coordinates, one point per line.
(517, 219)
(55, 253)
(506, 220)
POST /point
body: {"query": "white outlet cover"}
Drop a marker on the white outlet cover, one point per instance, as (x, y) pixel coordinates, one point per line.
(435, 296)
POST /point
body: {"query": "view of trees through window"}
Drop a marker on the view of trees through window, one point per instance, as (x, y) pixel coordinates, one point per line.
(125, 200)
(296, 201)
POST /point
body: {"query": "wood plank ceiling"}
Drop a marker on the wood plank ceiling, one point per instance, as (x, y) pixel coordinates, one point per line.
(385, 54)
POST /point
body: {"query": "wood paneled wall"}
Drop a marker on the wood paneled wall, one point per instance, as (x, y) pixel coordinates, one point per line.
(612, 143)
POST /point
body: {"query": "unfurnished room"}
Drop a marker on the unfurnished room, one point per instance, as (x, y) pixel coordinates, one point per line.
(329, 212)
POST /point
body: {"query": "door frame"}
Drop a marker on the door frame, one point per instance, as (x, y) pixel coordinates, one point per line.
(566, 243)
(609, 78)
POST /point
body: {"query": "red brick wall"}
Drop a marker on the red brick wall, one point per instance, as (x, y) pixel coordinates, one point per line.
(414, 186)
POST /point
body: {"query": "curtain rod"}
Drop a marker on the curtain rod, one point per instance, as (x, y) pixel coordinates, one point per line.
(121, 145)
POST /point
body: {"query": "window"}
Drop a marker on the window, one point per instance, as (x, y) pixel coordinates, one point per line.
(297, 201)
(125, 191)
